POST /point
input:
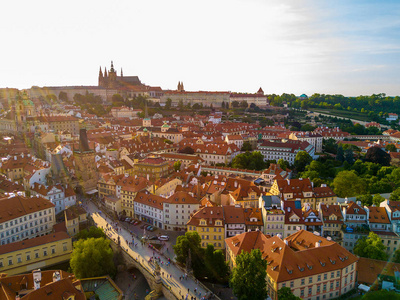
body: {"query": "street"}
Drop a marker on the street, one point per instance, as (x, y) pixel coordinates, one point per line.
(171, 275)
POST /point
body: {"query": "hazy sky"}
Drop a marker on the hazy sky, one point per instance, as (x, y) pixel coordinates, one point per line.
(336, 47)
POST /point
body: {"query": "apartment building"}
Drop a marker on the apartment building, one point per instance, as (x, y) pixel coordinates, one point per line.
(310, 265)
(272, 214)
(178, 208)
(38, 252)
(275, 150)
(23, 218)
(294, 220)
(209, 224)
(149, 208)
(54, 193)
(332, 220)
(127, 188)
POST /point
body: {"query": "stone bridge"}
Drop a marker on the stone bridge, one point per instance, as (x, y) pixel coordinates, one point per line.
(153, 278)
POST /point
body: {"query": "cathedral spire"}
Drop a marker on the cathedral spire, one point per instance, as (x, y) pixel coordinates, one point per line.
(122, 73)
(100, 73)
(105, 72)
(112, 67)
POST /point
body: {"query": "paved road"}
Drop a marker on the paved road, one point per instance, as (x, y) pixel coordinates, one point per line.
(143, 253)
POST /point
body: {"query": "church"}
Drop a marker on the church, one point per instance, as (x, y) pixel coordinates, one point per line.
(110, 79)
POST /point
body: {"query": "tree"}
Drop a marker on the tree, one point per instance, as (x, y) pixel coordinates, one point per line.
(248, 277)
(191, 241)
(348, 184)
(349, 156)
(371, 247)
(180, 104)
(391, 148)
(301, 160)
(168, 103)
(187, 150)
(93, 232)
(62, 96)
(243, 104)
(117, 100)
(285, 293)
(235, 103)
(366, 199)
(92, 258)
(396, 256)
(249, 160)
(395, 195)
(330, 146)
(340, 154)
(378, 156)
(377, 200)
(284, 164)
(307, 127)
(177, 165)
(246, 147)
(215, 264)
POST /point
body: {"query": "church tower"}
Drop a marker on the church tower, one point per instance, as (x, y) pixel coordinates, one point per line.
(85, 164)
(100, 78)
(112, 77)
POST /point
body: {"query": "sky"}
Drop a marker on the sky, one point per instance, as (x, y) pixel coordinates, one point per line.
(329, 47)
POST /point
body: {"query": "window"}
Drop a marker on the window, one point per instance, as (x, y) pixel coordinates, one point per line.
(337, 273)
(332, 285)
(19, 259)
(325, 276)
(302, 281)
(28, 257)
(10, 262)
(319, 278)
(1, 263)
(309, 291)
(53, 250)
(318, 288)
(292, 284)
(332, 274)
(36, 254)
(310, 280)
(324, 287)
(302, 292)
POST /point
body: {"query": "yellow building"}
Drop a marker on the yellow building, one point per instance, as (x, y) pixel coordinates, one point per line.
(245, 196)
(310, 265)
(41, 252)
(75, 219)
(129, 187)
(209, 224)
(166, 186)
(107, 185)
(152, 167)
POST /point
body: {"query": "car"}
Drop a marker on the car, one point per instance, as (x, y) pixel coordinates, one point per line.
(152, 228)
(148, 227)
(127, 219)
(133, 221)
(153, 237)
(143, 226)
(163, 238)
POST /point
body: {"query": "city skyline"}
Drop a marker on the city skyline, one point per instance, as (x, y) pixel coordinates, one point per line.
(292, 47)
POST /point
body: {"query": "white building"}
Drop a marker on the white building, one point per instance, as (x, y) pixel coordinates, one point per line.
(275, 150)
(23, 217)
(149, 208)
(178, 209)
(53, 193)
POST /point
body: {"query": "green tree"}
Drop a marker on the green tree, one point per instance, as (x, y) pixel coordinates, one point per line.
(92, 258)
(378, 156)
(366, 199)
(248, 277)
(391, 148)
(377, 200)
(283, 163)
(396, 256)
(246, 147)
(235, 103)
(244, 104)
(214, 260)
(349, 156)
(249, 160)
(285, 293)
(168, 103)
(177, 165)
(191, 241)
(371, 247)
(93, 232)
(180, 104)
(348, 184)
(395, 195)
(62, 96)
(117, 100)
(307, 127)
(301, 160)
(340, 154)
